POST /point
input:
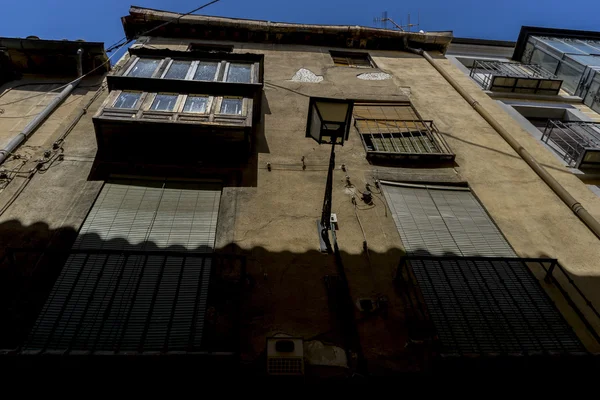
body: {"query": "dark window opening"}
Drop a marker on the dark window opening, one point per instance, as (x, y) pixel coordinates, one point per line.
(355, 60)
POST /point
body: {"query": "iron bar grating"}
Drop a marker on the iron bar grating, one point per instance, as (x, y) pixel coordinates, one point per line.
(483, 306)
(514, 77)
(127, 301)
(578, 143)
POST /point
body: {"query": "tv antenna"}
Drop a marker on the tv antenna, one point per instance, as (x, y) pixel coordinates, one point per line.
(384, 19)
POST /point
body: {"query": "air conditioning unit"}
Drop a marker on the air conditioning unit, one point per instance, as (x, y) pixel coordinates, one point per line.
(285, 356)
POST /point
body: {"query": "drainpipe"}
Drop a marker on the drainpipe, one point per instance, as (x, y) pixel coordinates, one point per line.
(41, 117)
(564, 195)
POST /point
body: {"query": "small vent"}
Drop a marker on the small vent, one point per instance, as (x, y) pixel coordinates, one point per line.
(160, 117)
(118, 114)
(192, 118)
(285, 356)
(285, 366)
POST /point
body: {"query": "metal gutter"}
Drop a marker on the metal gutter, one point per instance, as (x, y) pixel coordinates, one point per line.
(564, 195)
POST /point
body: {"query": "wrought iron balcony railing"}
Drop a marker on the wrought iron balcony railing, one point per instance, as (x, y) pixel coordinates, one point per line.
(498, 76)
(489, 306)
(578, 143)
(396, 139)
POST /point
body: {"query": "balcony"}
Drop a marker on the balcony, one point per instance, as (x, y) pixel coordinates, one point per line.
(578, 143)
(132, 125)
(402, 141)
(207, 102)
(490, 306)
(497, 76)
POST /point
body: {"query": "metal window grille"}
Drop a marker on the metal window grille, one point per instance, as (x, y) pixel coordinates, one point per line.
(356, 60)
(514, 77)
(484, 306)
(396, 131)
(577, 142)
(122, 301)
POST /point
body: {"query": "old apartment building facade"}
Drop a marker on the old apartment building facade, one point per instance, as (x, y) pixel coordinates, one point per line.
(181, 222)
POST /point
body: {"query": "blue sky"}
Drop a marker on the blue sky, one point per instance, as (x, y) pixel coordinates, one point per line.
(502, 19)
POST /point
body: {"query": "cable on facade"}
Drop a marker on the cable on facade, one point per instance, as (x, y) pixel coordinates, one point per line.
(112, 48)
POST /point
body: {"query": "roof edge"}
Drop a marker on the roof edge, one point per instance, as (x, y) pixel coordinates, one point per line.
(142, 19)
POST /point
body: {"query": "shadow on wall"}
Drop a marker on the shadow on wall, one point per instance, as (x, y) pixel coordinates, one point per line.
(284, 292)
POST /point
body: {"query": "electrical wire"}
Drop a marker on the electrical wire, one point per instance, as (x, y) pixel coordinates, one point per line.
(112, 48)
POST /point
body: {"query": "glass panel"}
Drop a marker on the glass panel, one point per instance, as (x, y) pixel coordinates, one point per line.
(196, 104)
(587, 60)
(561, 46)
(127, 100)
(592, 99)
(544, 60)
(587, 47)
(206, 71)
(570, 76)
(178, 69)
(164, 102)
(231, 106)
(144, 68)
(239, 73)
(315, 125)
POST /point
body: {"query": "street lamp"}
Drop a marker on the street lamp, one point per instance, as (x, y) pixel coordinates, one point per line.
(328, 123)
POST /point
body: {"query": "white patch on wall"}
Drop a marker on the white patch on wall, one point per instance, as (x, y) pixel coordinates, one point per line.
(305, 75)
(374, 76)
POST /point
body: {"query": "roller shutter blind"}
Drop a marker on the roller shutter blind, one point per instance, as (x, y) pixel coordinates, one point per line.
(137, 302)
(441, 221)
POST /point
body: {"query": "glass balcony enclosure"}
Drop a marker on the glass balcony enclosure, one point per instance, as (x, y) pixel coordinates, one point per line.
(575, 61)
(500, 76)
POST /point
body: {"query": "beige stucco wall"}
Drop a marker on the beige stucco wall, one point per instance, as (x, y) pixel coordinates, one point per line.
(274, 220)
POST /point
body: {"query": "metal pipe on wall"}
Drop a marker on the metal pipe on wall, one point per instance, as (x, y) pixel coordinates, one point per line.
(564, 195)
(41, 117)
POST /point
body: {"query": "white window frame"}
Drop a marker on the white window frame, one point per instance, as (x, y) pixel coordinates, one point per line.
(187, 75)
(152, 97)
(137, 59)
(138, 104)
(228, 64)
(219, 104)
(192, 71)
(209, 104)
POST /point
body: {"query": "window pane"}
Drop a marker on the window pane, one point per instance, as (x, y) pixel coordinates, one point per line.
(544, 60)
(561, 46)
(178, 70)
(196, 104)
(144, 68)
(164, 102)
(239, 73)
(231, 106)
(206, 71)
(570, 77)
(587, 47)
(127, 100)
(587, 60)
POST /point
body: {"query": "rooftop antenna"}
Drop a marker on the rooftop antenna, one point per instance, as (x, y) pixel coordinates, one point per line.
(409, 25)
(404, 28)
(383, 20)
